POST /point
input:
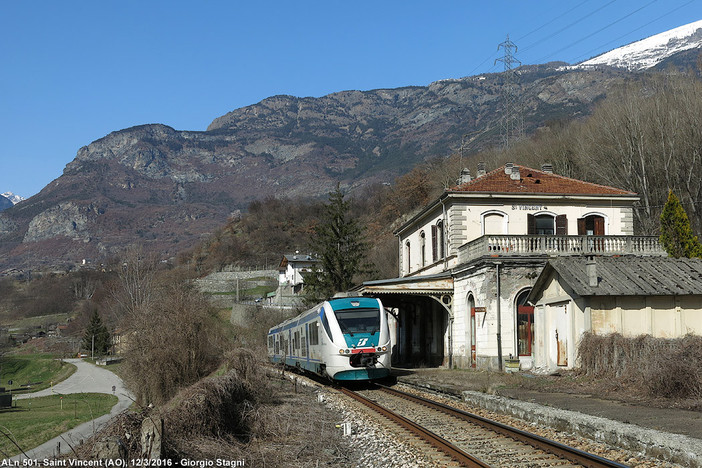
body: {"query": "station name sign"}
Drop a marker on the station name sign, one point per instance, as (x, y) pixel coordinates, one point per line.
(529, 207)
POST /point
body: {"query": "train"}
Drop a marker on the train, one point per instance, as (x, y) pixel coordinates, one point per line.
(342, 339)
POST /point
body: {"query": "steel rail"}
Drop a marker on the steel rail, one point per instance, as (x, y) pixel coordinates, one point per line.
(436, 441)
(556, 448)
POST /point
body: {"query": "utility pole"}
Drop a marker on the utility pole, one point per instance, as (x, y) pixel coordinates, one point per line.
(511, 121)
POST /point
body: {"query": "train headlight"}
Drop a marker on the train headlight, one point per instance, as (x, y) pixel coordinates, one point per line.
(348, 351)
(385, 348)
(341, 351)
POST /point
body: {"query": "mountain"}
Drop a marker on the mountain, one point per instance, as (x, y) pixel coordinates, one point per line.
(166, 188)
(5, 202)
(649, 52)
(15, 199)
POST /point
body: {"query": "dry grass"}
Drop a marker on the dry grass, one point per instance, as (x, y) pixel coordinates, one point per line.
(243, 414)
(668, 368)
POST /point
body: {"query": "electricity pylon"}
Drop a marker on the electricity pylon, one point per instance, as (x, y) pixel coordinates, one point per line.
(511, 122)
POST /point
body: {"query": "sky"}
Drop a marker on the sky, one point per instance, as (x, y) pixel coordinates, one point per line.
(74, 71)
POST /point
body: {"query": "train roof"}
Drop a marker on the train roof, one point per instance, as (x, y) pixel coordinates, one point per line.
(337, 303)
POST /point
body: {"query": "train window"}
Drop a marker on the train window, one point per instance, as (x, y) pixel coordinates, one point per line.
(277, 346)
(314, 333)
(359, 320)
(296, 340)
(325, 323)
(304, 345)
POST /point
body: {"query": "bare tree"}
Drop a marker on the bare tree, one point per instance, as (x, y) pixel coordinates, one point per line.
(135, 286)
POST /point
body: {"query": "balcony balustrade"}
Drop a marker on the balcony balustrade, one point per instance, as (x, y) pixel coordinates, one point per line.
(553, 246)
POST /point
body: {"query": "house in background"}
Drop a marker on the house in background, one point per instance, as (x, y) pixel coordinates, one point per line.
(633, 296)
(469, 260)
(291, 271)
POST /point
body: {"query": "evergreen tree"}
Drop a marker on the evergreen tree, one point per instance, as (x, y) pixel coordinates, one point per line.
(96, 336)
(676, 233)
(339, 241)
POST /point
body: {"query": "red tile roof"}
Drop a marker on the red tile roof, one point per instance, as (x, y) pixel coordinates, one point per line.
(535, 181)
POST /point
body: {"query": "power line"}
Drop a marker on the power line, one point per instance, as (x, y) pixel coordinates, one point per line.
(597, 32)
(567, 26)
(589, 53)
(549, 22)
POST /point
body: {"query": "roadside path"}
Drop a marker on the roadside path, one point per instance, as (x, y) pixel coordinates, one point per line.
(88, 378)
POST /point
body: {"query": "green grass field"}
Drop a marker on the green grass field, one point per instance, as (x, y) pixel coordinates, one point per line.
(32, 372)
(36, 420)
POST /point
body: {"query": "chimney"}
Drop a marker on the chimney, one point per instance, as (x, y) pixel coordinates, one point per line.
(481, 169)
(548, 168)
(508, 168)
(514, 175)
(591, 270)
(465, 176)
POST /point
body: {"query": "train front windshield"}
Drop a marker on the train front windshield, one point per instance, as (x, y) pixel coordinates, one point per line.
(359, 320)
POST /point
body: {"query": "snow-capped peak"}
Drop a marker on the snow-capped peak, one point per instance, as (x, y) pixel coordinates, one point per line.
(648, 52)
(15, 199)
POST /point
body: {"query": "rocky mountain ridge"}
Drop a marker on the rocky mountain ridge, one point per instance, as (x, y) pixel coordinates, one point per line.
(165, 189)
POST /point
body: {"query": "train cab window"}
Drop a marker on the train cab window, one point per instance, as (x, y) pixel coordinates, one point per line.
(361, 320)
(325, 323)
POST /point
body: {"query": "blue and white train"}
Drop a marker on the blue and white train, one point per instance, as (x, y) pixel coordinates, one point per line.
(341, 339)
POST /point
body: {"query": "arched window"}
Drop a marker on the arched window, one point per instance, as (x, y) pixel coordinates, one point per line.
(422, 249)
(442, 240)
(494, 222)
(437, 240)
(547, 224)
(408, 265)
(592, 225)
(544, 225)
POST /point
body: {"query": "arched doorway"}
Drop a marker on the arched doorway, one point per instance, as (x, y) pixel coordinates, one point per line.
(471, 338)
(525, 325)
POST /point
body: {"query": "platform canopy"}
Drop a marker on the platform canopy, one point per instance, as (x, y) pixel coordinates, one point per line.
(439, 284)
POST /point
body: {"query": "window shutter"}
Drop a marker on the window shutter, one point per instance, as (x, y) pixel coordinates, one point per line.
(599, 226)
(434, 242)
(531, 224)
(581, 227)
(561, 225)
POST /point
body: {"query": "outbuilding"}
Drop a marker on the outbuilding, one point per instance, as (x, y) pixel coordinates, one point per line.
(629, 295)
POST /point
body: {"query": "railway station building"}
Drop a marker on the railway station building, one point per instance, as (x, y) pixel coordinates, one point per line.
(469, 261)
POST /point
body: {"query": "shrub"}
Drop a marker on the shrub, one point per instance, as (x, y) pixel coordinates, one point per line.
(669, 368)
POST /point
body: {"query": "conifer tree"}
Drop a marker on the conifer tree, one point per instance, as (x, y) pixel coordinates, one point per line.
(676, 233)
(339, 241)
(96, 337)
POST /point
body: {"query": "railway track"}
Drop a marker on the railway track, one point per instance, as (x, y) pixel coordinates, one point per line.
(472, 440)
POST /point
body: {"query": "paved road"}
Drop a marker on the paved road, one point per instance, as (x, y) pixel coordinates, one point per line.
(88, 378)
